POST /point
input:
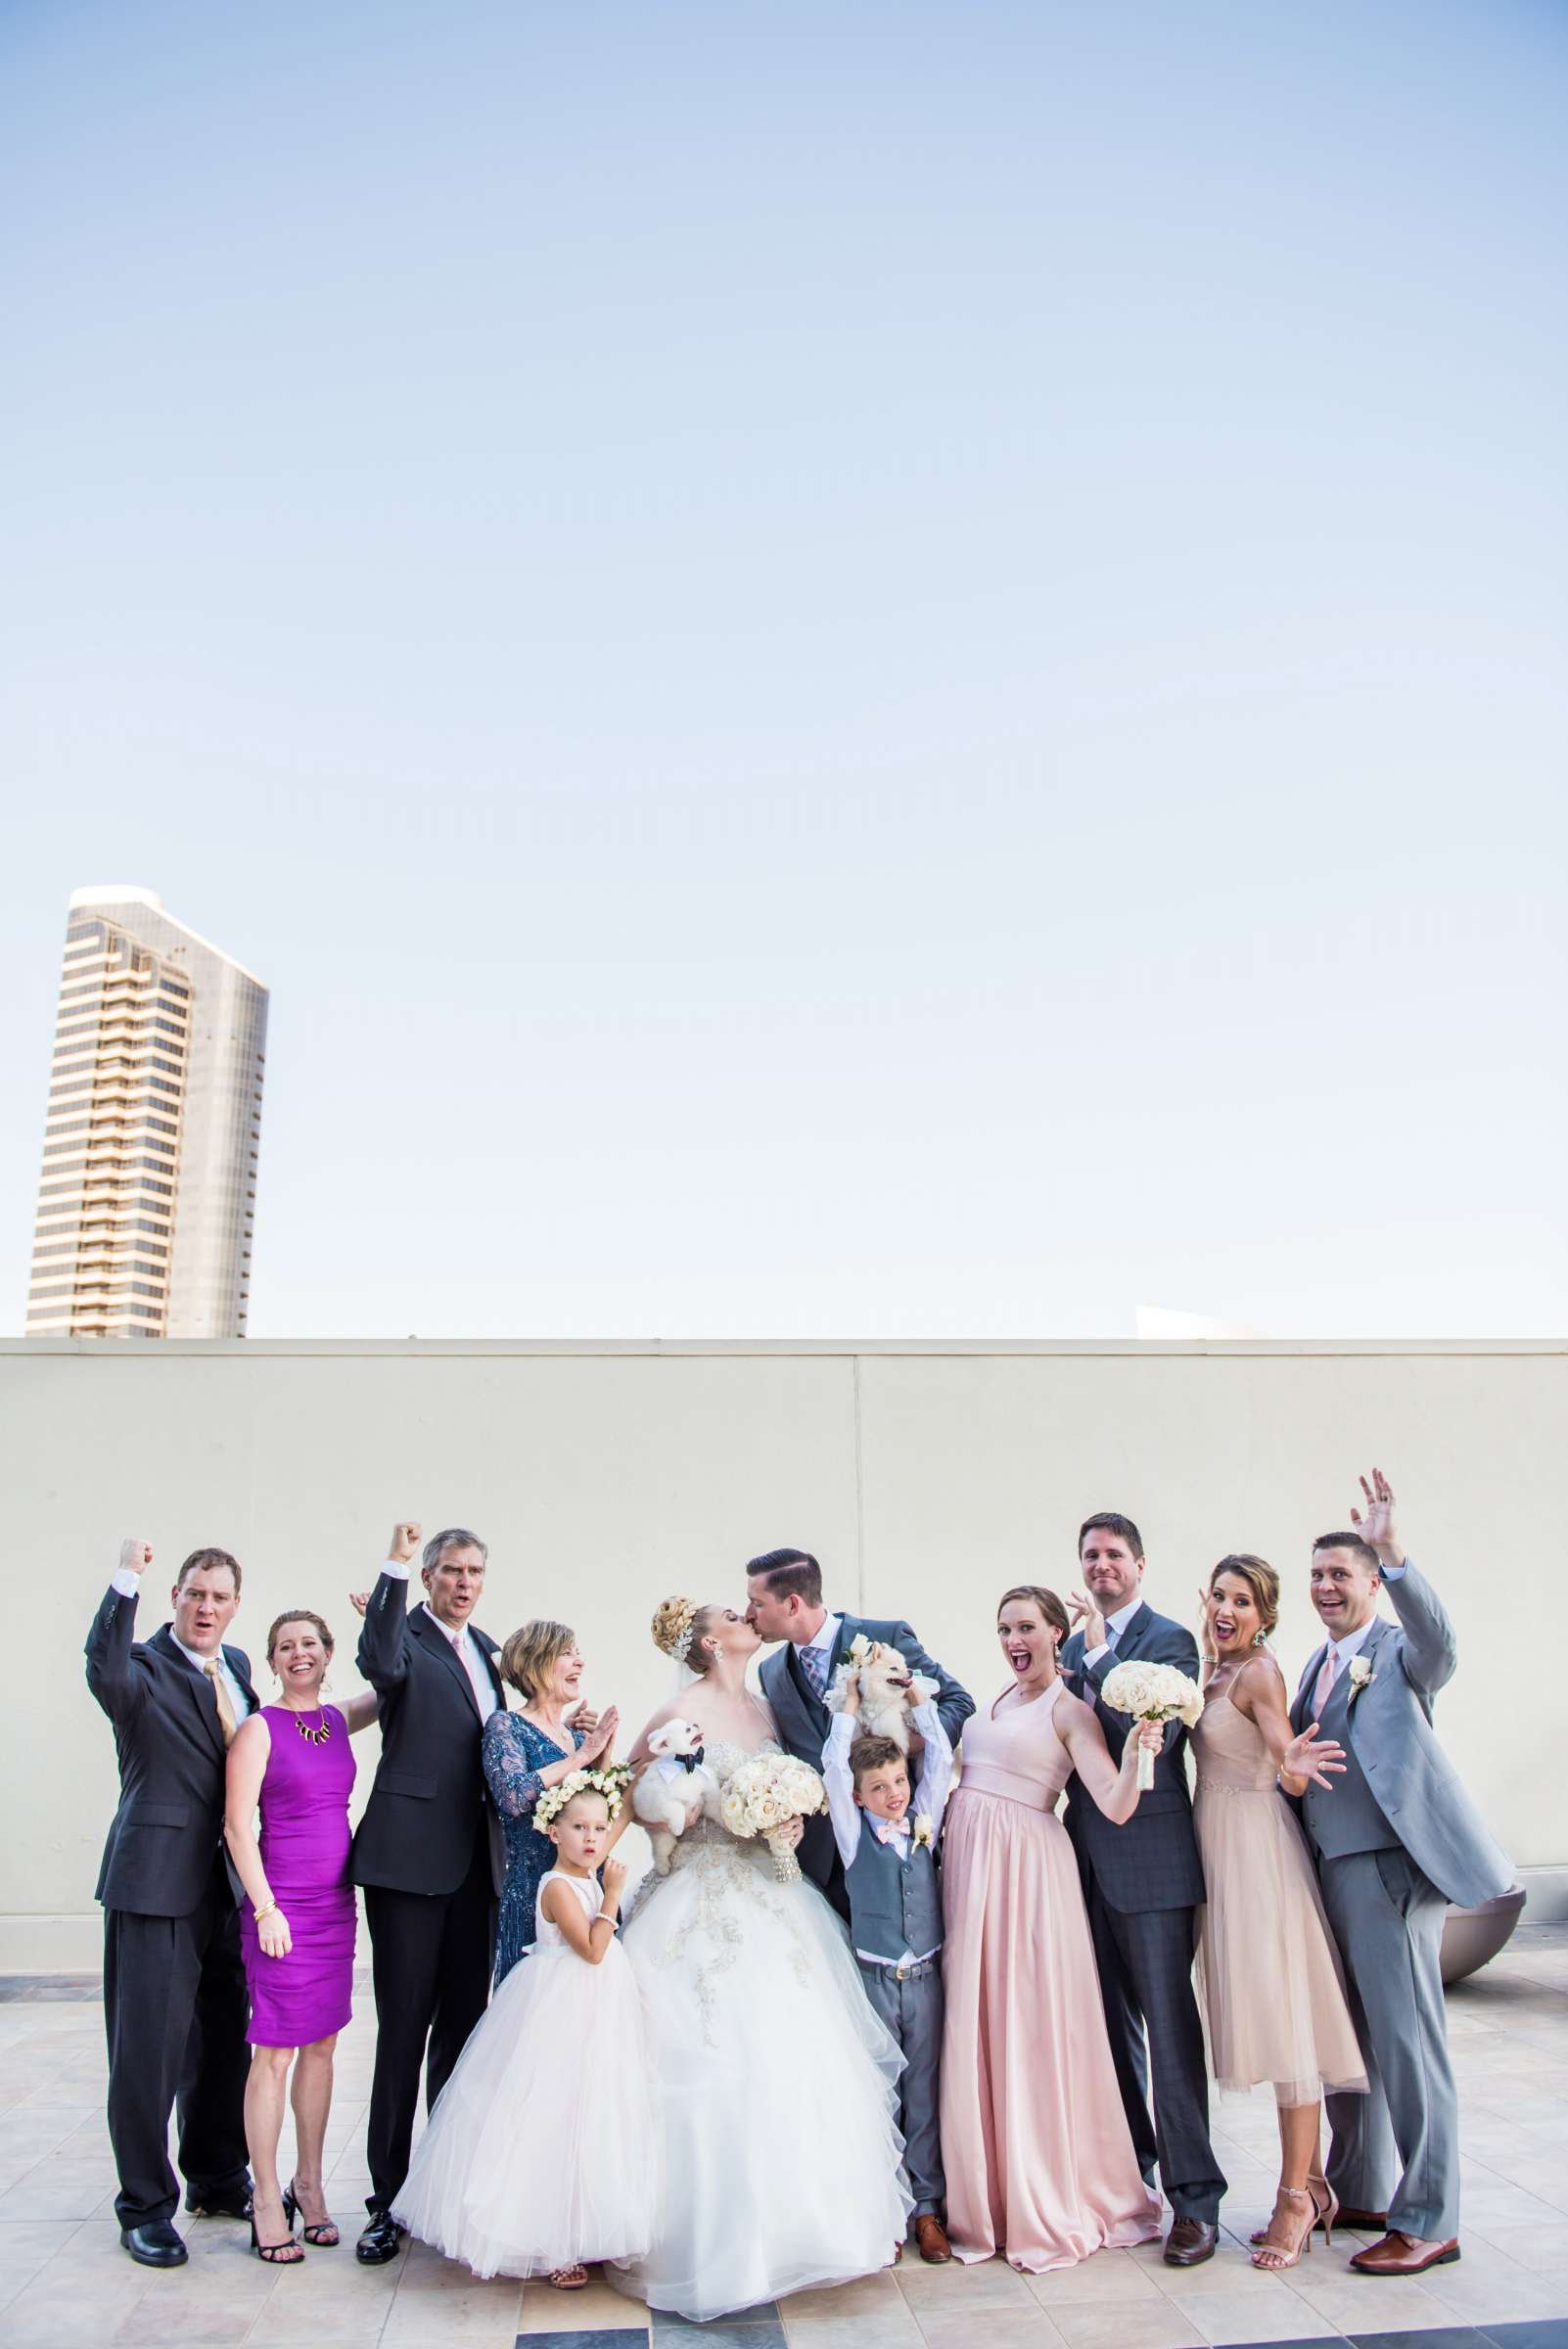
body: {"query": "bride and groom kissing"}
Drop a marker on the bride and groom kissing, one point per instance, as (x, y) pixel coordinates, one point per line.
(642, 2109)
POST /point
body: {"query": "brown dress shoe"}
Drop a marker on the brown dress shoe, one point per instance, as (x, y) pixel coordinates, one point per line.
(1190, 2242)
(931, 2242)
(1401, 2254)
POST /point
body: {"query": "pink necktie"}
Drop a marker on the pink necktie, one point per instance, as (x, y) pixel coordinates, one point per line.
(1325, 1682)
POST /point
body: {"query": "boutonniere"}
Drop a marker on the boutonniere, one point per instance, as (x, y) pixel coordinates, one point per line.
(1361, 1675)
(921, 1831)
(859, 1649)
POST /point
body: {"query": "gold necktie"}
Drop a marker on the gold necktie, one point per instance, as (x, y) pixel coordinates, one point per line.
(226, 1721)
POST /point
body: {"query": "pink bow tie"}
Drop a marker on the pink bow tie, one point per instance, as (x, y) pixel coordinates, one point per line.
(891, 1830)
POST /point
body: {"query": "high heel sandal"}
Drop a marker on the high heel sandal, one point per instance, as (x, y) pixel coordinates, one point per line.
(322, 2235)
(286, 2254)
(1272, 2254)
(1326, 2211)
(570, 2279)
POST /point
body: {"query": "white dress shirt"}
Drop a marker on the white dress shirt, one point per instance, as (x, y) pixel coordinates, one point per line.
(130, 1585)
(1117, 1624)
(470, 1654)
(851, 1821)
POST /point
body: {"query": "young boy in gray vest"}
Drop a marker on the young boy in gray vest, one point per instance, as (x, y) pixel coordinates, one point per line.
(889, 1851)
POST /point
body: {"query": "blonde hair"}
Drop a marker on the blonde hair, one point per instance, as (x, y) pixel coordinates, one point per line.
(1260, 1580)
(677, 1627)
(528, 1654)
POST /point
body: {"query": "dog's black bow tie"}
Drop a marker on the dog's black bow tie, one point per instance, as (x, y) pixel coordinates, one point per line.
(690, 1761)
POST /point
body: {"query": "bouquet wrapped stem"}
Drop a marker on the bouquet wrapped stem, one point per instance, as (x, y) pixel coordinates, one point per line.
(765, 1796)
(1152, 1692)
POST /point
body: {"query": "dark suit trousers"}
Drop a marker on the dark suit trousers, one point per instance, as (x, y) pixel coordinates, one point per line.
(175, 2009)
(432, 1956)
(1144, 1958)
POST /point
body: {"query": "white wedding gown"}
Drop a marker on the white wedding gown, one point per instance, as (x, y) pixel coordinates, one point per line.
(775, 2083)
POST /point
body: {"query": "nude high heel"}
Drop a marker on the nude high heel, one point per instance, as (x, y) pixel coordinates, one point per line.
(1272, 2254)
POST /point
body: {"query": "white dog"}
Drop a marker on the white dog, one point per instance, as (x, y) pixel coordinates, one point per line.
(674, 1779)
(885, 1680)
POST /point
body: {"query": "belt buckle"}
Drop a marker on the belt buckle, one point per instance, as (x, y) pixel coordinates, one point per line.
(900, 1974)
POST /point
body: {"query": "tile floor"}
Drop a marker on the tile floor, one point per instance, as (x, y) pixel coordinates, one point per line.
(64, 2282)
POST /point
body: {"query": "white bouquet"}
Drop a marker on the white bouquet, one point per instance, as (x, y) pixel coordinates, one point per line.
(764, 1795)
(1152, 1692)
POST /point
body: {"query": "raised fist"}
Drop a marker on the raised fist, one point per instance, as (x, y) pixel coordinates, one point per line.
(405, 1540)
(135, 1555)
(613, 1878)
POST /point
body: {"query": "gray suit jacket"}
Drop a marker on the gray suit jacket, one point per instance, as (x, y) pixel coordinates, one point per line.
(1390, 1725)
(803, 1719)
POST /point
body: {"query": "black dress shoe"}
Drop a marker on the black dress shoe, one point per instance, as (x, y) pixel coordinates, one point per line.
(218, 2201)
(379, 2241)
(156, 2244)
(1190, 2242)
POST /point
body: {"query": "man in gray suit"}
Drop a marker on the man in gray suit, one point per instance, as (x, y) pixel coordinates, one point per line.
(1395, 1842)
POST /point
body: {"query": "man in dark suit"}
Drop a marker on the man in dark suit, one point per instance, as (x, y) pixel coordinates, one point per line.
(784, 1602)
(174, 1999)
(1142, 1885)
(428, 1850)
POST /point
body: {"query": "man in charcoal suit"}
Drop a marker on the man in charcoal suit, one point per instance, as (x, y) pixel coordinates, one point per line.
(1142, 1886)
(175, 2006)
(784, 1602)
(1398, 1839)
(428, 1849)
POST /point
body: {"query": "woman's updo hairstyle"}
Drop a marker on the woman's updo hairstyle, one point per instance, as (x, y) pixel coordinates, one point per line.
(1260, 1580)
(299, 1615)
(1035, 1595)
(678, 1626)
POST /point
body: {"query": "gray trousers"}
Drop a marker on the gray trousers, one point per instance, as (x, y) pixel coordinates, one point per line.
(912, 2013)
(1387, 1919)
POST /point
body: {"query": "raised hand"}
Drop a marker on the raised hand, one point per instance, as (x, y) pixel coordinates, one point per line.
(359, 1600)
(612, 1879)
(1206, 1647)
(135, 1556)
(406, 1536)
(1377, 1525)
(1086, 1611)
(581, 1716)
(1309, 1757)
(600, 1739)
(852, 1694)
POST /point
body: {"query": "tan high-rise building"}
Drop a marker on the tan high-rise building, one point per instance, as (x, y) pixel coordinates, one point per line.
(147, 1199)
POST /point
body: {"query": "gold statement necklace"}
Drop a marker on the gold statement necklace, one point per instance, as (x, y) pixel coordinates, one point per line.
(315, 1733)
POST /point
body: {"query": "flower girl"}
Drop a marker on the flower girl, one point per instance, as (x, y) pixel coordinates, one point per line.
(538, 2154)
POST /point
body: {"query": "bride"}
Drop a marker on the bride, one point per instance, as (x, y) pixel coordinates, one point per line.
(774, 2079)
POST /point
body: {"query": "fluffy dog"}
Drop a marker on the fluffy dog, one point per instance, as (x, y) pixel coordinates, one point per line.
(885, 1680)
(676, 1777)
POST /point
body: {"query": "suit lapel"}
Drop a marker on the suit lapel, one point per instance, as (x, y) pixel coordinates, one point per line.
(203, 1696)
(1134, 1631)
(424, 1627)
(1300, 1712)
(239, 1664)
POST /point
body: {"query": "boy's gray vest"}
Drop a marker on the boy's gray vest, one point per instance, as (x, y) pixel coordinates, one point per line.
(895, 1905)
(1351, 1818)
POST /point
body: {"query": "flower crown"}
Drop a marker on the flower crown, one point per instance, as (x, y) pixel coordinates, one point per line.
(610, 1781)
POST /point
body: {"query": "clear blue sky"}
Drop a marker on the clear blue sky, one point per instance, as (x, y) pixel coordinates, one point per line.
(876, 671)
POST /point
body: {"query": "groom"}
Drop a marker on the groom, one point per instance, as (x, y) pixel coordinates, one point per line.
(784, 1602)
(1387, 1877)
(1142, 1887)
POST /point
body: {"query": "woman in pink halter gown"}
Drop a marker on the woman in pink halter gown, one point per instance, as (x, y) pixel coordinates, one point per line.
(1039, 2156)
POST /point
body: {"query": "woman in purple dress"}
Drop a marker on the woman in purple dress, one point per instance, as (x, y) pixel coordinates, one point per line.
(298, 1931)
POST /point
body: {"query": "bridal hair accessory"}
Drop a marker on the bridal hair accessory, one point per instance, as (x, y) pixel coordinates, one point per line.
(612, 1781)
(675, 1621)
(761, 1798)
(1152, 1692)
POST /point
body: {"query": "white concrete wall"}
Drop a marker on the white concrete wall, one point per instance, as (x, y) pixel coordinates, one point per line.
(925, 1478)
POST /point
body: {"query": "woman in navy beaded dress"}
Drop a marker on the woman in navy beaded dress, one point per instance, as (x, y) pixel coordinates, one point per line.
(526, 1751)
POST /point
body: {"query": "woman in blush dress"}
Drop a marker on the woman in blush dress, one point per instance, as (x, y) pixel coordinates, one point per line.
(298, 1931)
(524, 1753)
(1039, 2156)
(1269, 1974)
